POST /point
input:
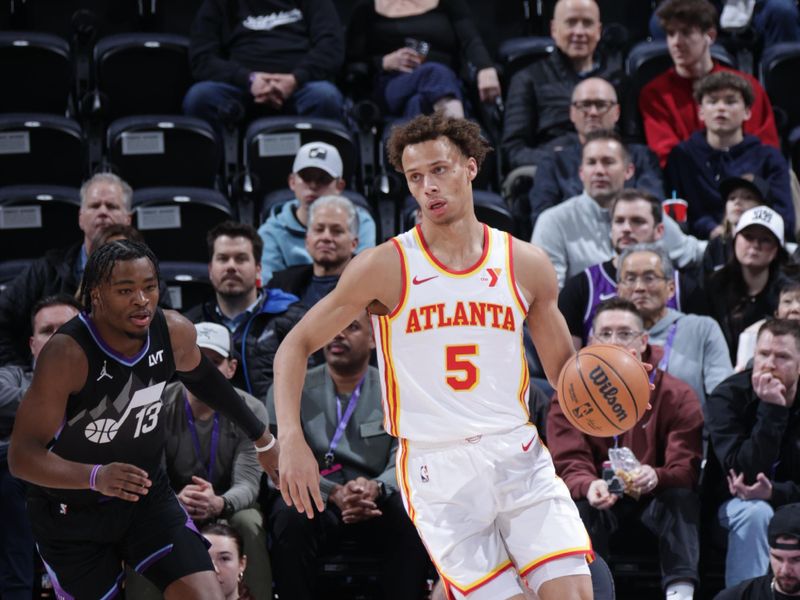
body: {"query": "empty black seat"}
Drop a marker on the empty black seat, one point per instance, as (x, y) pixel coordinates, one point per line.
(780, 65)
(164, 150)
(34, 218)
(37, 71)
(81, 20)
(174, 220)
(517, 53)
(270, 145)
(187, 282)
(142, 73)
(36, 148)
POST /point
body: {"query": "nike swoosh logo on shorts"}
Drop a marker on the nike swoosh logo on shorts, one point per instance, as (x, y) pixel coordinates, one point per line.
(525, 447)
(417, 280)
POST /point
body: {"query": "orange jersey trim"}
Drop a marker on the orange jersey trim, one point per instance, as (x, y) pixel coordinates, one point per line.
(556, 555)
(390, 379)
(403, 278)
(524, 383)
(494, 573)
(512, 279)
(402, 470)
(442, 268)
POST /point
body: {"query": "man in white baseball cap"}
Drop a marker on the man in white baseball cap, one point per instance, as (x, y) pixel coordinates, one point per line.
(317, 171)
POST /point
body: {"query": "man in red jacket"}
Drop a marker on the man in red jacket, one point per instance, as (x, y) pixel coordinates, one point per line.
(668, 109)
(668, 445)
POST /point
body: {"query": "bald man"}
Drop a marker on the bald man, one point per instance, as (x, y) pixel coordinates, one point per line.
(537, 109)
(593, 106)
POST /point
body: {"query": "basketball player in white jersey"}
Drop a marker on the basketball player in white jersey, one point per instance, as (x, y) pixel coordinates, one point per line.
(449, 299)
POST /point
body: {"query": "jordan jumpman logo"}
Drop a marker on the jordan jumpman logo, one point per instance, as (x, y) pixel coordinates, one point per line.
(104, 372)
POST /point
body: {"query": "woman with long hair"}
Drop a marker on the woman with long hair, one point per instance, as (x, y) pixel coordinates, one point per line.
(745, 289)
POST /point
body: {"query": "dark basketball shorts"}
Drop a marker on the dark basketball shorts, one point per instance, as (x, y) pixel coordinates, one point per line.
(84, 547)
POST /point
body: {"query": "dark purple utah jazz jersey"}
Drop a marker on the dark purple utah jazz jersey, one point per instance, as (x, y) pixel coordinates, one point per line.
(115, 416)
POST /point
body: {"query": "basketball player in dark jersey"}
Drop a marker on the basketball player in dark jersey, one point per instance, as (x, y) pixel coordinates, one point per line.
(89, 439)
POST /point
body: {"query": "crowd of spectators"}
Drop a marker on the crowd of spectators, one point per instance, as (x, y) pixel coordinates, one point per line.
(705, 289)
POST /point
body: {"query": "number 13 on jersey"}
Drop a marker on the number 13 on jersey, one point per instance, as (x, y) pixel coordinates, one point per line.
(462, 373)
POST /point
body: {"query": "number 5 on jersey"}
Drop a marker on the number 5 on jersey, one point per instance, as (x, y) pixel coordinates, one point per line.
(462, 374)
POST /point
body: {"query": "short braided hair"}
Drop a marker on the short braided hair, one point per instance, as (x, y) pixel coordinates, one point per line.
(102, 261)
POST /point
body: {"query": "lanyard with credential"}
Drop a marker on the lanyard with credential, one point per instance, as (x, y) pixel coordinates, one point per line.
(212, 454)
(343, 419)
(664, 362)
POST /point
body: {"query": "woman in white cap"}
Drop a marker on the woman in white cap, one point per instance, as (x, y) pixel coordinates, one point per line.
(745, 289)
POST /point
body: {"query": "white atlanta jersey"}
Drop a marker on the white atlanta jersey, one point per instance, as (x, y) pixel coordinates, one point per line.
(450, 354)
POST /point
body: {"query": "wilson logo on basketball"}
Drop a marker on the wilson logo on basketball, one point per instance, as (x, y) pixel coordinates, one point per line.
(607, 390)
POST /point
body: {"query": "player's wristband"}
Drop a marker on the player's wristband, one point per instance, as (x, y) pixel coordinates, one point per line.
(268, 447)
(93, 477)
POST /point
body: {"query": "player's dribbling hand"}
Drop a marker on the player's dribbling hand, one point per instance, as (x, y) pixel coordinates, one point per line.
(121, 480)
(599, 497)
(299, 476)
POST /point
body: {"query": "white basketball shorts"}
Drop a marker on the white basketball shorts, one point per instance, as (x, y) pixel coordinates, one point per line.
(489, 508)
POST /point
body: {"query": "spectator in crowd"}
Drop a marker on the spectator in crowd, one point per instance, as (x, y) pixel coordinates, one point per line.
(741, 193)
(783, 537)
(415, 53)
(594, 106)
(666, 103)
(660, 493)
(752, 422)
(331, 240)
(697, 165)
(105, 200)
(16, 538)
(212, 464)
(342, 420)
(576, 233)
(745, 289)
(538, 100)
(774, 21)
(230, 561)
(788, 308)
(266, 56)
(317, 171)
(636, 218)
(258, 319)
(694, 349)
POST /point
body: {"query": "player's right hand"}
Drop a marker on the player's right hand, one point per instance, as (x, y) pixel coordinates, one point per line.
(121, 480)
(299, 476)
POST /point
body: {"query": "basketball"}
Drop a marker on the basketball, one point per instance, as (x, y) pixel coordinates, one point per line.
(603, 390)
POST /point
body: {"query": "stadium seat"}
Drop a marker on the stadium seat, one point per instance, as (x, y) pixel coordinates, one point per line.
(176, 16)
(174, 220)
(34, 218)
(141, 73)
(517, 53)
(82, 20)
(164, 150)
(270, 145)
(780, 65)
(645, 61)
(187, 283)
(37, 148)
(37, 69)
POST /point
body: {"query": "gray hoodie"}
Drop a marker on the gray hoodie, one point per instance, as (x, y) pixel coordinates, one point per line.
(699, 353)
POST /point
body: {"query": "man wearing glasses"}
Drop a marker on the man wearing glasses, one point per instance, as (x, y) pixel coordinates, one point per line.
(694, 349)
(659, 493)
(317, 171)
(593, 106)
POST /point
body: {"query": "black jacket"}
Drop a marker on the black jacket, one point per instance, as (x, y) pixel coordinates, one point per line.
(751, 436)
(294, 280)
(256, 340)
(232, 38)
(537, 105)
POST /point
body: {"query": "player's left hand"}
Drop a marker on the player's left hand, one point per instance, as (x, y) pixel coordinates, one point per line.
(645, 479)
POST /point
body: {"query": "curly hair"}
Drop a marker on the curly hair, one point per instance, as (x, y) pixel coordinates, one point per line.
(464, 134)
(102, 261)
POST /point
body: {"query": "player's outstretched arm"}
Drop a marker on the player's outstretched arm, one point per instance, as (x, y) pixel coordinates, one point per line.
(537, 279)
(372, 279)
(205, 381)
(61, 370)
